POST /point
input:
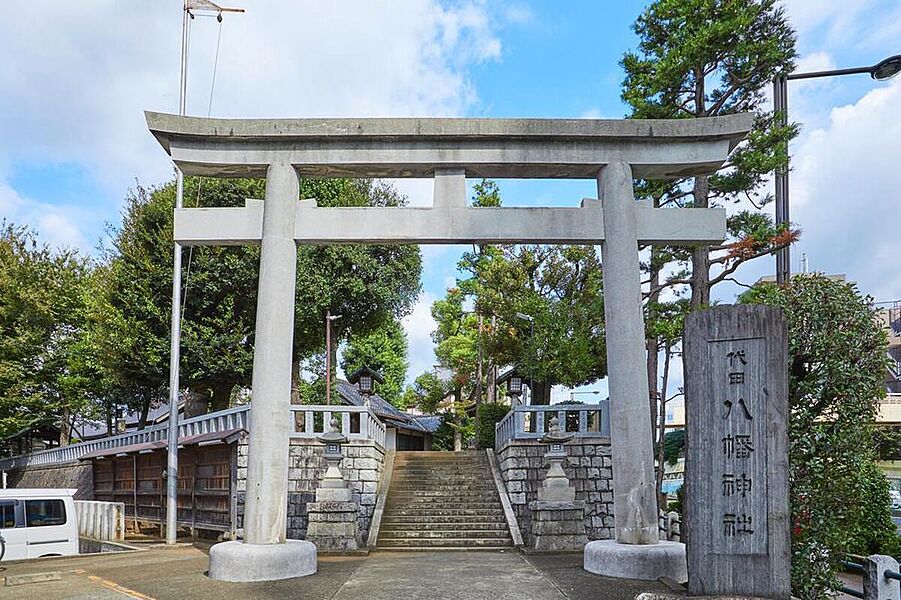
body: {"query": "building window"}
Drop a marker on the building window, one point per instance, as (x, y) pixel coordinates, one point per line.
(42, 513)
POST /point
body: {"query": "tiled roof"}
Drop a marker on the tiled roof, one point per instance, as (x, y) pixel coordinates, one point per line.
(384, 409)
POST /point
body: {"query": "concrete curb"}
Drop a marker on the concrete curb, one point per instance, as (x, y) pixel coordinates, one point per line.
(382, 497)
(509, 515)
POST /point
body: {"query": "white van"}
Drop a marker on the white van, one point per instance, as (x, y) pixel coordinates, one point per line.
(37, 522)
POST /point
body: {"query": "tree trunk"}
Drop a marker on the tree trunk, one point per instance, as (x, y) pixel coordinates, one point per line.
(65, 431)
(196, 402)
(700, 255)
(222, 392)
(295, 381)
(145, 410)
(109, 419)
(478, 380)
(492, 371)
(458, 420)
(652, 343)
(661, 436)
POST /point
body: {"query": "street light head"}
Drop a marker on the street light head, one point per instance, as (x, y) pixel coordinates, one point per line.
(887, 68)
(525, 317)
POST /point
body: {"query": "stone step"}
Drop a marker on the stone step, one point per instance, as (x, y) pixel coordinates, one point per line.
(442, 490)
(440, 520)
(427, 544)
(473, 534)
(480, 494)
(443, 502)
(427, 511)
(500, 528)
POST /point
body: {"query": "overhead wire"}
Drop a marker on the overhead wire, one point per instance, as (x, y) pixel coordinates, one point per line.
(209, 112)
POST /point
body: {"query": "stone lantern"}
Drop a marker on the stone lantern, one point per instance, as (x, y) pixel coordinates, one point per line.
(365, 379)
(332, 488)
(333, 516)
(556, 486)
(558, 519)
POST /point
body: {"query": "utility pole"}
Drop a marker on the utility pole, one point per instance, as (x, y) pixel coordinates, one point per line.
(329, 317)
(175, 322)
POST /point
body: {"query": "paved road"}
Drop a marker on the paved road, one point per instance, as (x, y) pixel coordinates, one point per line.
(163, 574)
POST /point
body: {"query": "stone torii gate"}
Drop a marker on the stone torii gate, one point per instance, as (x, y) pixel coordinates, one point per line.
(611, 151)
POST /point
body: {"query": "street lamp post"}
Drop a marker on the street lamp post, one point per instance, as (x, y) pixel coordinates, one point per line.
(329, 317)
(531, 321)
(881, 71)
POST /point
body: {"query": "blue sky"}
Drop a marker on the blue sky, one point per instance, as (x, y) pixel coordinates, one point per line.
(73, 140)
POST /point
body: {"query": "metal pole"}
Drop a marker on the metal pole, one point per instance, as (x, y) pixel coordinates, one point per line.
(783, 255)
(175, 325)
(534, 357)
(328, 359)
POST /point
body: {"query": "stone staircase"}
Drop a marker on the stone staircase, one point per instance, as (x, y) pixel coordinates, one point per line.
(443, 500)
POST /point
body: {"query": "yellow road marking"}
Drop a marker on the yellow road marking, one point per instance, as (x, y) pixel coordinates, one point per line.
(118, 588)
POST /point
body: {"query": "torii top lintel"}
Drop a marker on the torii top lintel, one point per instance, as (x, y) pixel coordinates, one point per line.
(416, 147)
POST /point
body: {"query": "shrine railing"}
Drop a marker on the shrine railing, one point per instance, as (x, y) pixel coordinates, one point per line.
(532, 422)
(357, 422)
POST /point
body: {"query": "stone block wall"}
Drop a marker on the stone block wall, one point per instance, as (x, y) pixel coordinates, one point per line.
(78, 475)
(588, 467)
(362, 468)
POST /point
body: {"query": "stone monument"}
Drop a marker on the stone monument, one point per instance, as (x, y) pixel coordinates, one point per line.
(736, 500)
(333, 516)
(558, 519)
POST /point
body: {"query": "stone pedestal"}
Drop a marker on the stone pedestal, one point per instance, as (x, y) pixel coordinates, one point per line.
(242, 562)
(333, 525)
(558, 525)
(636, 561)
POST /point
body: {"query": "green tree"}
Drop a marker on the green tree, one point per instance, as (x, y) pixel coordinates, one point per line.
(385, 350)
(42, 317)
(705, 58)
(368, 284)
(837, 362)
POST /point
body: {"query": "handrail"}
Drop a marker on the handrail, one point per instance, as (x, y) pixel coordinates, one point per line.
(371, 427)
(531, 422)
(355, 422)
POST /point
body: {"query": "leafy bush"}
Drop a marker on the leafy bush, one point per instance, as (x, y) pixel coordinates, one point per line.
(874, 532)
(489, 416)
(837, 362)
(443, 438)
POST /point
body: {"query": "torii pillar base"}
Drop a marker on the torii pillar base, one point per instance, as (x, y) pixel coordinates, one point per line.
(240, 562)
(636, 561)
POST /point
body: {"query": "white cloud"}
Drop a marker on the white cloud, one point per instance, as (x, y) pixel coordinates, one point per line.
(419, 326)
(845, 193)
(57, 226)
(79, 75)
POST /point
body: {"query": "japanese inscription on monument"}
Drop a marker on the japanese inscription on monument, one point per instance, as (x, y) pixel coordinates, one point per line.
(736, 464)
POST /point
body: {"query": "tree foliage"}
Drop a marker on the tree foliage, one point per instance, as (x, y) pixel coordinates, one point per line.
(837, 362)
(383, 349)
(42, 319)
(559, 286)
(704, 58)
(368, 284)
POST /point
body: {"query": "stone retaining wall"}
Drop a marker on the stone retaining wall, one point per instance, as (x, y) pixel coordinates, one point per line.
(79, 476)
(588, 467)
(362, 468)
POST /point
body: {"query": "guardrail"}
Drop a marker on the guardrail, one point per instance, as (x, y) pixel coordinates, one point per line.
(365, 425)
(532, 422)
(102, 521)
(355, 422)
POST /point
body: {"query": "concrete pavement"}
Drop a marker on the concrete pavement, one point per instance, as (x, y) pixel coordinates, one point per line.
(163, 574)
